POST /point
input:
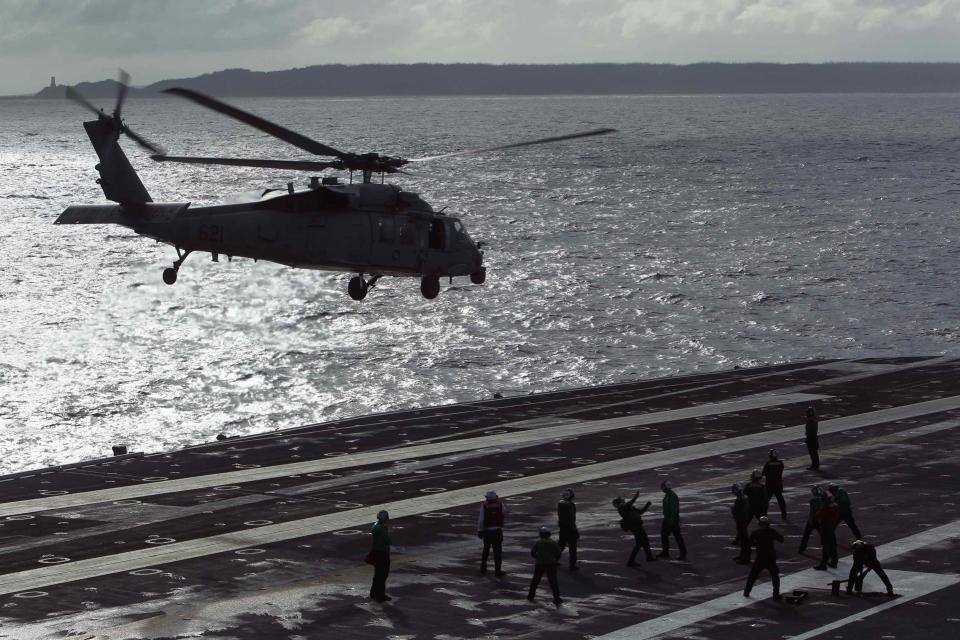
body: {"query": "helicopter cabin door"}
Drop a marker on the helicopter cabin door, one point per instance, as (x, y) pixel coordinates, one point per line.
(396, 243)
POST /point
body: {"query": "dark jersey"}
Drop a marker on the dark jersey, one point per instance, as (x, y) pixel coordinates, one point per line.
(773, 472)
(763, 539)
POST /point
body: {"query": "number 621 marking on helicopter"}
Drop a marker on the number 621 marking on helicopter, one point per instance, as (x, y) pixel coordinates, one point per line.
(210, 233)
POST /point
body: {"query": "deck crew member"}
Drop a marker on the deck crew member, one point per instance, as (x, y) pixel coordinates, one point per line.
(828, 517)
(671, 523)
(811, 435)
(567, 525)
(380, 557)
(846, 510)
(490, 530)
(546, 556)
(816, 501)
(631, 519)
(756, 495)
(865, 559)
(773, 481)
(741, 517)
(763, 539)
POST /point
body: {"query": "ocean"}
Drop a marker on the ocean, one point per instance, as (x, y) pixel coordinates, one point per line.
(708, 232)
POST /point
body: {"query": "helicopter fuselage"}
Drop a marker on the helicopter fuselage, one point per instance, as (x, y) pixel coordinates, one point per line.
(361, 228)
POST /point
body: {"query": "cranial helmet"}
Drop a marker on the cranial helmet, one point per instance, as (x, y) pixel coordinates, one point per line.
(568, 493)
(617, 501)
(756, 475)
(764, 521)
(772, 453)
(858, 543)
(544, 532)
(816, 490)
(491, 495)
(665, 485)
(735, 488)
(383, 516)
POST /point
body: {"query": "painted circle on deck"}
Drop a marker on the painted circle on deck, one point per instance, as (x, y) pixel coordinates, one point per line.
(639, 428)
(518, 498)
(349, 532)
(582, 461)
(145, 572)
(705, 418)
(509, 474)
(237, 465)
(19, 517)
(160, 540)
(257, 523)
(227, 487)
(732, 456)
(714, 436)
(771, 425)
(249, 552)
(155, 478)
(30, 594)
(436, 514)
(345, 505)
(53, 560)
(323, 474)
(596, 483)
(665, 469)
(432, 490)
(52, 492)
(127, 503)
(336, 454)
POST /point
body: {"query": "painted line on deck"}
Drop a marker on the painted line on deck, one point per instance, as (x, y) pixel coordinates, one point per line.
(522, 438)
(910, 584)
(280, 532)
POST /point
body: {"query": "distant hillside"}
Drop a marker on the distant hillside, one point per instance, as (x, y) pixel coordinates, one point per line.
(522, 79)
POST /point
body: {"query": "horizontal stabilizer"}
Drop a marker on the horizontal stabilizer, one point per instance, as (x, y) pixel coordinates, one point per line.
(119, 214)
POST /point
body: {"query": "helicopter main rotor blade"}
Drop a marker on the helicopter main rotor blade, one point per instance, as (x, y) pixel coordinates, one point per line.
(79, 99)
(143, 142)
(299, 165)
(527, 143)
(123, 84)
(275, 130)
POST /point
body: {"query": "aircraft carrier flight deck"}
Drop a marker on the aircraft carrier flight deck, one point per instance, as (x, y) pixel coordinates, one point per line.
(265, 536)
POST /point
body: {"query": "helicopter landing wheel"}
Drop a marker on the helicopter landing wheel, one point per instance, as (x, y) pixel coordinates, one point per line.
(357, 288)
(169, 275)
(430, 286)
(479, 277)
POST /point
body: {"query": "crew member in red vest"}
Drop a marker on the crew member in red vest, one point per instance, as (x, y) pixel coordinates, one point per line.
(490, 530)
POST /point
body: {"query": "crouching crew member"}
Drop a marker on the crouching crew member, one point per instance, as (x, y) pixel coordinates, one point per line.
(865, 559)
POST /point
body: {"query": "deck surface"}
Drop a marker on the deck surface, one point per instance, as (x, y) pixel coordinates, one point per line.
(264, 536)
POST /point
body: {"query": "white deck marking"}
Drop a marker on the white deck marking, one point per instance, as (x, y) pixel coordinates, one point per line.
(525, 437)
(910, 584)
(268, 534)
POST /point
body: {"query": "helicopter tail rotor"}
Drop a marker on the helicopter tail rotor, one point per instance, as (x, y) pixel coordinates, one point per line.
(123, 87)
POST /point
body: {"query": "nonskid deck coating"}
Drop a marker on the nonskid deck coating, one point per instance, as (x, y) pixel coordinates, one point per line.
(310, 578)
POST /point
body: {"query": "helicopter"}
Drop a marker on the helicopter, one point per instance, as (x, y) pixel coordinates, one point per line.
(367, 228)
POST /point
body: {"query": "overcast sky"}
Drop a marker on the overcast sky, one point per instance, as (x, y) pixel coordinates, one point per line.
(78, 40)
